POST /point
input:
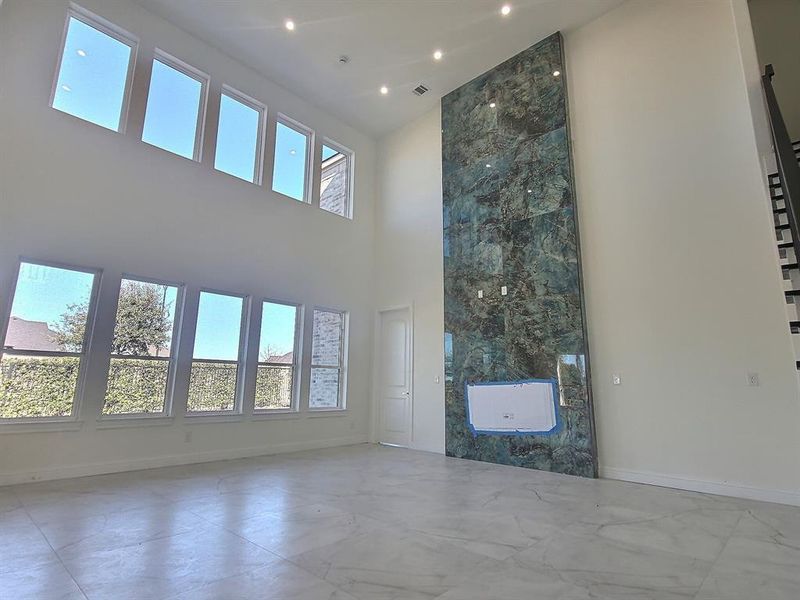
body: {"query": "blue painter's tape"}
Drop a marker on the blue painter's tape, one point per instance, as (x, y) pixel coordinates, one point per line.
(519, 432)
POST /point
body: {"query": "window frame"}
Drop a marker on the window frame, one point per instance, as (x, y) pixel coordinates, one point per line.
(350, 156)
(86, 349)
(205, 82)
(110, 29)
(241, 361)
(169, 389)
(262, 109)
(344, 351)
(310, 136)
(297, 358)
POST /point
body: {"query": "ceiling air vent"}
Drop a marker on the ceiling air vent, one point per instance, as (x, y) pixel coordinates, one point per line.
(420, 89)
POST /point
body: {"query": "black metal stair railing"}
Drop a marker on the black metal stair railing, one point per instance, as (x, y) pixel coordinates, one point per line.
(784, 187)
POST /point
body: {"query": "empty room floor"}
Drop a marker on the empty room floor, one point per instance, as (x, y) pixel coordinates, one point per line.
(374, 523)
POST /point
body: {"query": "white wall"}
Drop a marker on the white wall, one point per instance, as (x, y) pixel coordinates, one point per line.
(683, 290)
(76, 193)
(409, 263)
(776, 24)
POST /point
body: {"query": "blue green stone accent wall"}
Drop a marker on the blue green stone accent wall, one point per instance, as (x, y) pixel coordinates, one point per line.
(509, 220)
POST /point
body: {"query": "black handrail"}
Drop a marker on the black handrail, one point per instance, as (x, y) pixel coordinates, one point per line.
(788, 169)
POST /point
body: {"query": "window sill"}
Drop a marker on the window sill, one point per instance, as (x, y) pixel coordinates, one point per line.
(264, 415)
(327, 412)
(28, 426)
(122, 422)
(197, 419)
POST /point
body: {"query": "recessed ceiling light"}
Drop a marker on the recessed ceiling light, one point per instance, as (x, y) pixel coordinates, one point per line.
(66, 88)
(437, 55)
(530, 191)
(505, 10)
(289, 24)
(384, 90)
(292, 152)
(81, 52)
(492, 105)
(556, 73)
(488, 166)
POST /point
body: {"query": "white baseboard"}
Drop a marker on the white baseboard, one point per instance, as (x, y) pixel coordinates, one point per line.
(719, 488)
(120, 466)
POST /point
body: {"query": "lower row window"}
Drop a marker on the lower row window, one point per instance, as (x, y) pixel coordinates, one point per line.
(327, 360)
(45, 341)
(48, 332)
(141, 351)
(214, 382)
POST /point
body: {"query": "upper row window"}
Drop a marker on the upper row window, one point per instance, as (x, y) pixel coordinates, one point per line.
(94, 81)
(175, 107)
(95, 73)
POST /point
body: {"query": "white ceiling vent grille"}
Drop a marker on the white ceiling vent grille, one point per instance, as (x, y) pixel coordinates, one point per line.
(420, 89)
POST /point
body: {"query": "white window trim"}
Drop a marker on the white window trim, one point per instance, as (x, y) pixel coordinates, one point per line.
(309, 166)
(261, 108)
(204, 80)
(173, 357)
(236, 413)
(92, 20)
(344, 350)
(83, 355)
(351, 160)
(296, 359)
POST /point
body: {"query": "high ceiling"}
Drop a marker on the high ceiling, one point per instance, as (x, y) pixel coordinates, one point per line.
(388, 42)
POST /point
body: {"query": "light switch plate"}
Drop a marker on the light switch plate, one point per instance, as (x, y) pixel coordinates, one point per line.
(616, 379)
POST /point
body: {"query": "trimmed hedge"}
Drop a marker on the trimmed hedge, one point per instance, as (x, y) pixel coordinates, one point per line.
(45, 386)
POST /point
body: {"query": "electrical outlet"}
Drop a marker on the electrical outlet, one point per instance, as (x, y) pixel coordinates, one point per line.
(436, 379)
(616, 379)
(753, 380)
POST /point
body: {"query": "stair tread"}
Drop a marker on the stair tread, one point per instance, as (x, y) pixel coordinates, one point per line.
(791, 265)
(792, 292)
(786, 245)
(782, 227)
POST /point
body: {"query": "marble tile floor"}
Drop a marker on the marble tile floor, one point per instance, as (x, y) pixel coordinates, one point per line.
(373, 523)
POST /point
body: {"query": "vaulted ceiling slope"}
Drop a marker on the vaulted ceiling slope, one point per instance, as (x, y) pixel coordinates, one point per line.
(388, 42)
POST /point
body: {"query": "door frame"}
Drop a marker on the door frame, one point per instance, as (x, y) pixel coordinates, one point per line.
(376, 372)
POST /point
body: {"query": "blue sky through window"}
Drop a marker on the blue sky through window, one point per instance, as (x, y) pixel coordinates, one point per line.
(219, 323)
(328, 152)
(289, 176)
(237, 139)
(45, 293)
(277, 330)
(173, 106)
(93, 75)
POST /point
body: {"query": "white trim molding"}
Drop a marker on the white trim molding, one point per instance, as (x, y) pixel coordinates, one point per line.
(720, 488)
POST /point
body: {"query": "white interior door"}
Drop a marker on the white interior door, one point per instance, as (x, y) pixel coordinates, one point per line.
(394, 384)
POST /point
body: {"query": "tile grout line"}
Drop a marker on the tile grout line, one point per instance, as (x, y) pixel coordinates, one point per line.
(719, 556)
(53, 550)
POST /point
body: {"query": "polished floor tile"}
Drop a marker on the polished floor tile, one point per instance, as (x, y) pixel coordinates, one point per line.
(373, 523)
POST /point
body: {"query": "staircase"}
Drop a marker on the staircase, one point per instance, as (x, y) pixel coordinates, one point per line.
(784, 189)
(789, 259)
